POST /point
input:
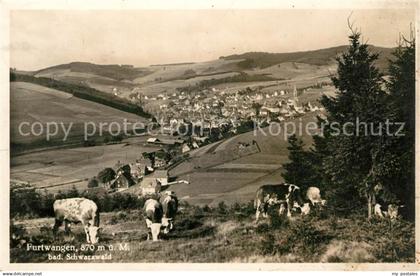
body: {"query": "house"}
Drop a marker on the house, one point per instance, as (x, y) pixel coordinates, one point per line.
(142, 167)
(185, 148)
(165, 141)
(150, 186)
(137, 171)
(152, 140)
(122, 169)
(122, 182)
(271, 109)
(161, 159)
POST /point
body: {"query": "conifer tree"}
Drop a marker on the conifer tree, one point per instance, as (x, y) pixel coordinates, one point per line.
(353, 167)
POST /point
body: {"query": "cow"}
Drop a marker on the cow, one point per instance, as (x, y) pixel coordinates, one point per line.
(286, 195)
(169, 203)
(153, 214)
(313, 194)
(74, 210)
(387, 210)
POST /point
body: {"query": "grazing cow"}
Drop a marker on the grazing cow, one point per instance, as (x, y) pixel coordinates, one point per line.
(285, 195)
(387, 210)
(170, 206)
(74, 210)
(313, 199)
(153, 213)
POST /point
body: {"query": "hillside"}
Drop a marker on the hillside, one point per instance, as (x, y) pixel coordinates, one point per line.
(110, 71)
(28, 104)
(224, 234)
(315, 57)
(122, 80)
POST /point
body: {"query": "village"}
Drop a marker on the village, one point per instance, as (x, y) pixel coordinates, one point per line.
(189, 120)
(216, 109)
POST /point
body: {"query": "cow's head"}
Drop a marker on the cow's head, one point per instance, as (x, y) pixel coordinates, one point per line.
(295, 195)
(94, 234)
(167, 224)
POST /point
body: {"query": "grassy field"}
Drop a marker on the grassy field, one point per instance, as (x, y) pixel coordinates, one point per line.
(28, 104)
(52, 169)
(227, 234)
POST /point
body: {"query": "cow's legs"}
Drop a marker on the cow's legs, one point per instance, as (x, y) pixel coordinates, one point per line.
(265, 210)
(257, 215)
(149, 228)
(378, 210)
(57, 225)
(86, 227)
(281, 209)
(289, 213)
(66, 227)
(258, 211)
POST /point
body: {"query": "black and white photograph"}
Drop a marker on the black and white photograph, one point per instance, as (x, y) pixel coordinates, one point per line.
(209, 135)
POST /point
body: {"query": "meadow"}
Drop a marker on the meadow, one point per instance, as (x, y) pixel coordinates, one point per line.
(228, 233)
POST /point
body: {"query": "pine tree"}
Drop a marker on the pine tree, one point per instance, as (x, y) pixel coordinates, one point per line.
(353, 166)
(300, 169)
(401, 86)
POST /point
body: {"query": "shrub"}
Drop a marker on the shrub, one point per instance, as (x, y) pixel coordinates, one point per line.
(17, 235)
(222, 208)
(348, 252)
(394, 241)
(206, 209)
(266, 246)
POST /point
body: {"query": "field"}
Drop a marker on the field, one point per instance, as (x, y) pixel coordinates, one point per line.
(28, 104)
(226, 234)
(61, 169)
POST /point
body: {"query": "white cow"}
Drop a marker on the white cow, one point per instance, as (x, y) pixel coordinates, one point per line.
(74, 210)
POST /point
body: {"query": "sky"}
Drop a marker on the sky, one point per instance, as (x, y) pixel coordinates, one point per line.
(43, 38)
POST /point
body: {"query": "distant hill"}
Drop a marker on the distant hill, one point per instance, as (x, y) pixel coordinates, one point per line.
(123, 80)
(316, 57)
(112, 71)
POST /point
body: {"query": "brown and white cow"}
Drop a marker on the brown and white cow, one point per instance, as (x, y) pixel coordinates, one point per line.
(74, 210)
(169, 203)
(287, 196)
(153, 214)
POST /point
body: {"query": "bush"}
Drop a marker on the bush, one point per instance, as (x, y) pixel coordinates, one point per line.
(394, 241)
(300, 237)
(26, 202)
(17, 235)
(93, 182)
(222, 208)
(266, 246)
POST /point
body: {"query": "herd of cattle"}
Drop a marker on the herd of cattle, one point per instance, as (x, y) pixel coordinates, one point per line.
(159, 213)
